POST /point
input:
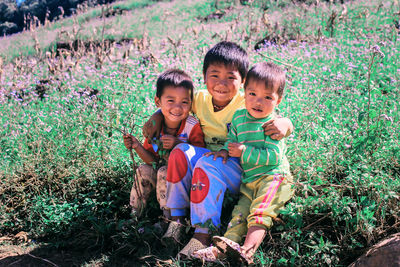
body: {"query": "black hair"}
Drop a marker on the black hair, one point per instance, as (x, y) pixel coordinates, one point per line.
(271, 74)
(229, 54)
(175, 78)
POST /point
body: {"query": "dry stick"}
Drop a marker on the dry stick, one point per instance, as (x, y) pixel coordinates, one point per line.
(286, 64)
(33, 256)
(136, 184)
(369, 91)
(317, 221)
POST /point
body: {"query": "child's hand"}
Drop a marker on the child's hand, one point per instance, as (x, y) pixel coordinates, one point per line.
(130, 141)
(235, 149)
(222, 153)
(277, 128)
(169, 141)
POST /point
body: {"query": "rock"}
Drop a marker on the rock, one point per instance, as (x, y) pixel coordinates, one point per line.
(385, 253)
(8, 28)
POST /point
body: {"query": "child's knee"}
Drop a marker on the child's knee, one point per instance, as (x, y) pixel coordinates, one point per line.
(178, 166)
(161, 187)
(181, 147)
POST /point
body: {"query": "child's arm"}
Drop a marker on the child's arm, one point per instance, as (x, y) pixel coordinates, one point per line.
(278, 128)
(271, 154)
(152, 127)
(131, 142)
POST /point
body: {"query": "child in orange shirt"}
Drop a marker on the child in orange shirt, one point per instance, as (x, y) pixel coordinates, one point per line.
(174, 97)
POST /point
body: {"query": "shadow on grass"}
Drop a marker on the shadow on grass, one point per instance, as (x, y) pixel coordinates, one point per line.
(102, 235)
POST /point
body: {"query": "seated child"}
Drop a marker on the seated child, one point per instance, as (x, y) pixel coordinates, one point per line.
(174, 97)
(266, 176)
(197, 183)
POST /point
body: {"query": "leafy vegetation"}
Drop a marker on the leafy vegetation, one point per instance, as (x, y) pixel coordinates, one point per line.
(65, 175)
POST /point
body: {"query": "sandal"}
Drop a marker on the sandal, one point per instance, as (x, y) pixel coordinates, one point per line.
(209, 254)
(232, 249)
(192, 246)
(173, 235)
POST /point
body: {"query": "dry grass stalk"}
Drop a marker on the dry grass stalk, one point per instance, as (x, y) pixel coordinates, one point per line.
(330, 25)
(1, 67)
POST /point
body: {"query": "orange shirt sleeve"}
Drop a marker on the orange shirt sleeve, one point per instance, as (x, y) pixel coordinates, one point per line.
(149, 147)
(196, 137)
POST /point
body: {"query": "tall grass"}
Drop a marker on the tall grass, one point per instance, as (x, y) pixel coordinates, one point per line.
(65, 172)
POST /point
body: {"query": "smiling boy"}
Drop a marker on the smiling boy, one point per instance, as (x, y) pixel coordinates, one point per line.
(174, 97)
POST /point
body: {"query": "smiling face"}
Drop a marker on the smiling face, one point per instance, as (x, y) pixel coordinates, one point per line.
(223, 83)
(261, 101)
(175, 104)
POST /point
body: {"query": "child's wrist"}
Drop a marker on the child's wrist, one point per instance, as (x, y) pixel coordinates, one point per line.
(135, 145)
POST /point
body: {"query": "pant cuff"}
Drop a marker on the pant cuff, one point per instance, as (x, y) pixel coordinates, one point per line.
(201, 230)
(178, 212)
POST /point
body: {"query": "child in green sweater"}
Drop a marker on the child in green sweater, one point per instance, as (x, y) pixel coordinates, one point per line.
(266, 176)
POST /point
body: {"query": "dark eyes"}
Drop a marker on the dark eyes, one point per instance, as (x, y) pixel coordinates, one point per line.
(173, 101)
(229, 78)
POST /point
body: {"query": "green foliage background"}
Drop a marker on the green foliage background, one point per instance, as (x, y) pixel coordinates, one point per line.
(66, 177)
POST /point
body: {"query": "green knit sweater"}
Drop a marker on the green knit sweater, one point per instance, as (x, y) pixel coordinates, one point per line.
(262, 155)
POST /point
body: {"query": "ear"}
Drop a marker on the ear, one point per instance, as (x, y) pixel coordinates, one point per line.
(157, 101)
(279, 100)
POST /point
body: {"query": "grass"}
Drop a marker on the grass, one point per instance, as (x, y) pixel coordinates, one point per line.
(66, 175)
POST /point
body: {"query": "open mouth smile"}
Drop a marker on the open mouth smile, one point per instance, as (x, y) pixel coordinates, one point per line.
(221, 92)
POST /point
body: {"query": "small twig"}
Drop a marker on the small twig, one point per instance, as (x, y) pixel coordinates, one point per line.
(108, 125)
(39, 258)
(317, 221)
(136, 184)
(274, 59)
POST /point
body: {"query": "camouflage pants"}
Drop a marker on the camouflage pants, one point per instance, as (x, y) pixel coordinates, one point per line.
(149, 179)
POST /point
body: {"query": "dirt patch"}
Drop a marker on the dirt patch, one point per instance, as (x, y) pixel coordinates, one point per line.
(86, 45)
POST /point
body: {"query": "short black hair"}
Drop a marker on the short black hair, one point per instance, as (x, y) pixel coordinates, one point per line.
(269, 73)
(229, 54)
(175, 78)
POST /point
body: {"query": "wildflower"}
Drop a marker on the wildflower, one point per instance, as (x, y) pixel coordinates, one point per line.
(376, 50)
(351, 65)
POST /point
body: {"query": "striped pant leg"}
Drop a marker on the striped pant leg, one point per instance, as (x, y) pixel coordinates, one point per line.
(237, 227)
(272, 194)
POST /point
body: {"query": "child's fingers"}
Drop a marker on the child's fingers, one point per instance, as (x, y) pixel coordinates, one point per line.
(268, 123)
(276, 136)
(271, 131)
